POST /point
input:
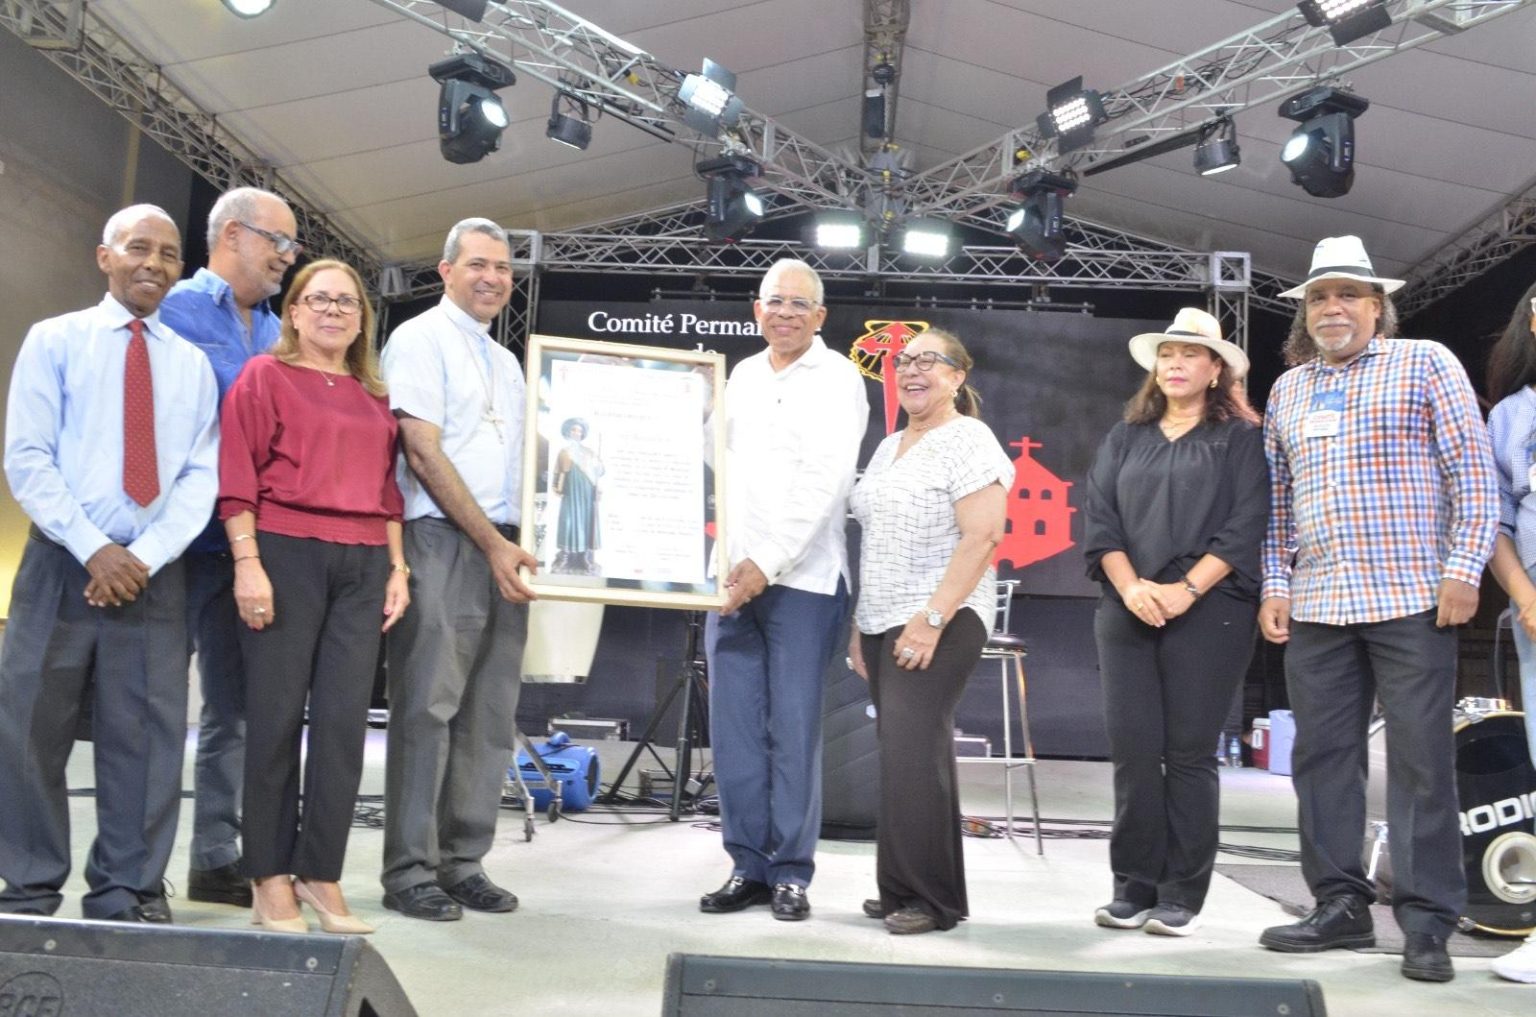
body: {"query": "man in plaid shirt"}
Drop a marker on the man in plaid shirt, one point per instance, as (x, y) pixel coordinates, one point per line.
(1383, 515)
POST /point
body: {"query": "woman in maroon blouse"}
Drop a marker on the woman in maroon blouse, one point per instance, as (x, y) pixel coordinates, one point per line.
(309, 500)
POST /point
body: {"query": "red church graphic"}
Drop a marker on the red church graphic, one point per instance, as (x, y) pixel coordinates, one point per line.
(1039, 512)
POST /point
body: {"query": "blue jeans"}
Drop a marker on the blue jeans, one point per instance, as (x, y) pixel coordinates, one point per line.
(213, 627)
(1527, 653)
(766, 664)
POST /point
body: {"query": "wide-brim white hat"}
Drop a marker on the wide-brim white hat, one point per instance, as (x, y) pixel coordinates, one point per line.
(1342, 258)
(1191, 325)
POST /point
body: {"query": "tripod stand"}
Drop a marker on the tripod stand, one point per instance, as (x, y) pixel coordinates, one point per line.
(692, 684)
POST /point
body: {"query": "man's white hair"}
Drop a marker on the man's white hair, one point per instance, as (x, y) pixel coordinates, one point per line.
(783, 265)
(240, 203)
(126, 217)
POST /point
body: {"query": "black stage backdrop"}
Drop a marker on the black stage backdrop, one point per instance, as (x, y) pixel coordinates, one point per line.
(1052, 384)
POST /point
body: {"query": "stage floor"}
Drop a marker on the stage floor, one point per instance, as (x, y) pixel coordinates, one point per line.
(607, 896)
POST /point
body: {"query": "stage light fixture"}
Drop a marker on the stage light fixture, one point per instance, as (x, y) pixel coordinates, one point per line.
(470, 117)
(709, 101)
(1346, 20)
(474, 10)
(572, 129)
(1037, 224)
(1321, 153)
(931, 239)
(733, 209)
(248, 8)
(874, 113)
(1072, 112)
(839, 231)
(1218, 151)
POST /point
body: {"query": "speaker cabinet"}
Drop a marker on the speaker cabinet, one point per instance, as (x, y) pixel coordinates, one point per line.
(55, 968)
(700, 986)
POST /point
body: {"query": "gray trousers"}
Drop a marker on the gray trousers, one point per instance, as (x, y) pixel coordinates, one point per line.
(455, 664)
(137, 655)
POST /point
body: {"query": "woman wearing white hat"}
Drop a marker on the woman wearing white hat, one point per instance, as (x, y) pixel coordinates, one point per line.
(1177, 502)
(1512, 426)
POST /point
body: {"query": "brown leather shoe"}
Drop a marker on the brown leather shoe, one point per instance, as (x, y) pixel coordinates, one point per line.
(909, 921)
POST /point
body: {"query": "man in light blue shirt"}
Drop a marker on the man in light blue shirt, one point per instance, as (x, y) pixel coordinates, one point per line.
(100, 590)
(455, 659)
(223, 311)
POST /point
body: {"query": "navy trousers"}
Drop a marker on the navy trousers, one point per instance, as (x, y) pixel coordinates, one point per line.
(766, 663)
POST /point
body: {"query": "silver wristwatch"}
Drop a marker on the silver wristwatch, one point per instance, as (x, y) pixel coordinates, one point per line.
(935, 618)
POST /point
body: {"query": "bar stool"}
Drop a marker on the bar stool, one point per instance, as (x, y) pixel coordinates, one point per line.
(1006, 648)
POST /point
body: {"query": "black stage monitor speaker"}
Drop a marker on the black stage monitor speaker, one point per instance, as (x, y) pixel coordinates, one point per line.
(55, 968)
(751, 987)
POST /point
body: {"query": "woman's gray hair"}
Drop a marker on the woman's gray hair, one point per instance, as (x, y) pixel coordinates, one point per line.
(476, 225)
(126, 217)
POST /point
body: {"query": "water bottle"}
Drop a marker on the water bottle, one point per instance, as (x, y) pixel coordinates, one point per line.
(1234, 752)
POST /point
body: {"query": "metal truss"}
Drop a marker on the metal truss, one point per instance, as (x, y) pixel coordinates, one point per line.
(574, 56)
(1271, 60)
(93, 54)
(885, 35)
(1503, 233)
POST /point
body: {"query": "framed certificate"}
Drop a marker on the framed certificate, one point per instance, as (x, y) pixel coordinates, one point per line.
(622, 500)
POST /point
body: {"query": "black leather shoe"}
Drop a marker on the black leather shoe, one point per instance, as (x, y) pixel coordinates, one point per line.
(224, 885)
(1335, 922)
(426, 901)
(790, 904)
(1425, 959)
(873, 908)
(737, 894)
(133, 914)
(478, 893)
(156, 909)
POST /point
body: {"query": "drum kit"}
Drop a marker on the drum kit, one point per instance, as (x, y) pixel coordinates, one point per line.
(1496, 787)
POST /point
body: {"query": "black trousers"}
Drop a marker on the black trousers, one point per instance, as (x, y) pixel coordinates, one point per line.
(1333, 674)
(328, 600)
(919, 860)
(1166, 695)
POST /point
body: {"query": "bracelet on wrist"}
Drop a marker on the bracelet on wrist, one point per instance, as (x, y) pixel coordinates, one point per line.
(1191, 588)
(248, 557)
(241, 536)
(401, 567)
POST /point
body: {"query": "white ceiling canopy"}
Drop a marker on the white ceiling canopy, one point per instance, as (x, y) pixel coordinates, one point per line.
(334, 95)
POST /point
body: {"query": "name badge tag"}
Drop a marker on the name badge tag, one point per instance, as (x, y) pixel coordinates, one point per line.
(1324, 415)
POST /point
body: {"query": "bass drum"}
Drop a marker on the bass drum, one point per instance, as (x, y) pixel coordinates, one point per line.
(1496, 786)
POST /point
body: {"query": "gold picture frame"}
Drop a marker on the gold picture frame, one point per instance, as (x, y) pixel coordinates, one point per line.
(623, 498)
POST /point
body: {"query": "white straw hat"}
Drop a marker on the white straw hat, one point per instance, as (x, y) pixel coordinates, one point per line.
(1191, 325)
(1342, 258)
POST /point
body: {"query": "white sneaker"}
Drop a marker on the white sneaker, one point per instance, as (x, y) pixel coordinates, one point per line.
(1519, 965)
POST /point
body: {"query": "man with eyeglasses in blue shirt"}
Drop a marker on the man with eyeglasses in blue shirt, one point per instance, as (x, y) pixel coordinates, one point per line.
(223, 310)
(795, 416)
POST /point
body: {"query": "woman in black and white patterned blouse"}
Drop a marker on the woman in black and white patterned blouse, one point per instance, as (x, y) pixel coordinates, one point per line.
(932, 504)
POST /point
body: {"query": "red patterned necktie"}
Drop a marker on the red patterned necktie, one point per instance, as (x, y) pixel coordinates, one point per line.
(141, 467)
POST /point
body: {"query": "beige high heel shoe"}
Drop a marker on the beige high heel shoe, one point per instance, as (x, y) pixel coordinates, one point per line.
(294, 924)
(344, 925)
